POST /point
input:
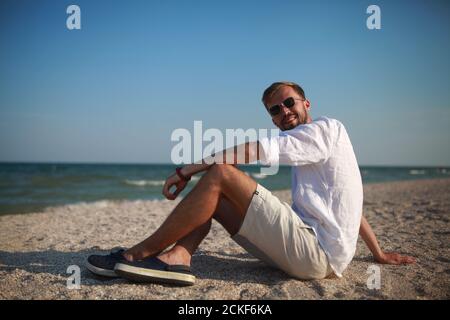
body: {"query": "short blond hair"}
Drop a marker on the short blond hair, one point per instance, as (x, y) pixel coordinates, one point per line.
(274, 87)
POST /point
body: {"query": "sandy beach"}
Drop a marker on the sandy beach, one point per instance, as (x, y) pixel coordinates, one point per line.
(410, 216)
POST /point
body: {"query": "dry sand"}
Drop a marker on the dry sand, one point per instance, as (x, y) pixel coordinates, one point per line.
(411, 217)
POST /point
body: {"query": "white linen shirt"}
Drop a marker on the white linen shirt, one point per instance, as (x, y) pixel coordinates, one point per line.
(327, 191)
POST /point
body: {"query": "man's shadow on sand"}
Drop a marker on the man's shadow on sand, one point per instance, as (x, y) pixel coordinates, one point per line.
(234, 268)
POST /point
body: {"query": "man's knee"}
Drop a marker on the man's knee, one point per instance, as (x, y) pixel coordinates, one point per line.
(221, 170)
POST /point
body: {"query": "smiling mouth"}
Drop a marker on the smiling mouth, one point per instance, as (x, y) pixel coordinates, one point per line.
(290, 119)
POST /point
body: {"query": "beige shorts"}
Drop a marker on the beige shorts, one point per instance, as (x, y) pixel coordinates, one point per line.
(275, 234)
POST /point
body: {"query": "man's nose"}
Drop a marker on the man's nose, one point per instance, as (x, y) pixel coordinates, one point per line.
(285, 110)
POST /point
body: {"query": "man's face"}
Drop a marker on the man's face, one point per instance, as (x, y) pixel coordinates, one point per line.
(289, 118)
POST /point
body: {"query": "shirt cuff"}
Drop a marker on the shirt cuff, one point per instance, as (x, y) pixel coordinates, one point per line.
(269, 152)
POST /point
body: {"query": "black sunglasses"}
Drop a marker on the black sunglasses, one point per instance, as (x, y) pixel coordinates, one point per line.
(288, 103)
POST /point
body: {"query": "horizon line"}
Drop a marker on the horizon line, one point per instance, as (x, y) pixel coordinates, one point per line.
(168, 163)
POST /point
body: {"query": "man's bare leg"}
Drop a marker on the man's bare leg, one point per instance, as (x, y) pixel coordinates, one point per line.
(182, 251)
(198, 207)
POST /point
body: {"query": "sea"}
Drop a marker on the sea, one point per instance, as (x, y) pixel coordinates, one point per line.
(30, 187)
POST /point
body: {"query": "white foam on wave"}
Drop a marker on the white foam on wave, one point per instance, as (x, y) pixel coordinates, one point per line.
(153, 183)
(414, 172)
(143, 183)
(255, 175)
(258, 175)
(103, 203)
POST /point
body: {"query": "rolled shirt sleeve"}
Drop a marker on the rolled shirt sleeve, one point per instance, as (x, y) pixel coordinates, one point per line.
(269, 150)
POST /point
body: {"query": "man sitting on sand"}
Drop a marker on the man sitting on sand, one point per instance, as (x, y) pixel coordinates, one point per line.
(312, 239)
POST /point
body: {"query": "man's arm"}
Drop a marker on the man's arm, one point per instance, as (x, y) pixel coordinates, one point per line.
(380, 256)
(241, 154)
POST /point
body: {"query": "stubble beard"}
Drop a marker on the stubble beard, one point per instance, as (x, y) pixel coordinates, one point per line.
(301, 118)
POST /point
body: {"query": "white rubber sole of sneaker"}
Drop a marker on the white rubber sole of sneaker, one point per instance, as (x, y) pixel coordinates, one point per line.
(149, 275)
(101, 272)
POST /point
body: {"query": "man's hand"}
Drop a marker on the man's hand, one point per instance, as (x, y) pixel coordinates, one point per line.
(173, 180)
(380, 256)
(394, 258)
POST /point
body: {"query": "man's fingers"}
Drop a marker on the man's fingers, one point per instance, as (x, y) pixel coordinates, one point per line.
(404, 259)
(396, 258)
(408, 260)
(176, 191)
(170, 183)
(399, 259)
(180, 188)
(166, 191)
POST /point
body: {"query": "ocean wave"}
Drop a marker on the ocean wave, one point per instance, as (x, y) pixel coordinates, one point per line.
(414, 172)
(255, 175)
(143, 183)
(152, 183)
(258, 175)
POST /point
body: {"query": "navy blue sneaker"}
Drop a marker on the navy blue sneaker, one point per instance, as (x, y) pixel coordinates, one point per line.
(154, 270)
(104, 265)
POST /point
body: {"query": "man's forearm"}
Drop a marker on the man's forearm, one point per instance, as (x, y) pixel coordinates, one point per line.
(369, 238)
(241, 154)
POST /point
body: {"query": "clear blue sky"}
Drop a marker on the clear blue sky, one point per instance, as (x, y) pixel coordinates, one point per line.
(116, 89)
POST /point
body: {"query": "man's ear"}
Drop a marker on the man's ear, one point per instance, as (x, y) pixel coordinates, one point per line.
(307, 104)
